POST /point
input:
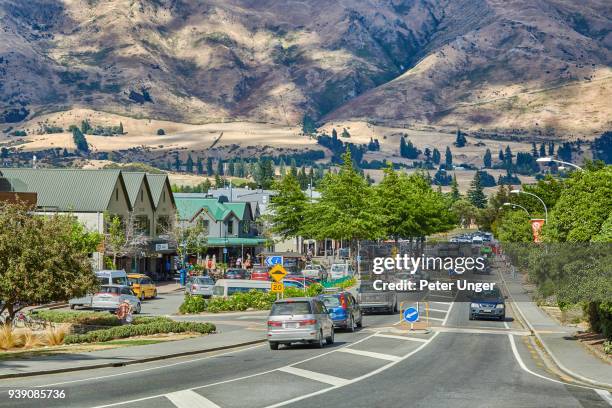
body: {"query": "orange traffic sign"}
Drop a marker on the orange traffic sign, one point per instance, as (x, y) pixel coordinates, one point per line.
(277, 273)
(277, 287)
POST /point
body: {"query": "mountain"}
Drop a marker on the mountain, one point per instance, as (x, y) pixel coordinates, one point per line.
(500, 66)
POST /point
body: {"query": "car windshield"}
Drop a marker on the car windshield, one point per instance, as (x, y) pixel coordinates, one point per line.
(330, 301)
(488, 294)
(110, 289)
(338, 268)
(204, 281)
(290, 308)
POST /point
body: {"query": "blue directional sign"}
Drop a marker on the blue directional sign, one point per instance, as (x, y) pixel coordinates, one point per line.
(411, 314)
(273, 260)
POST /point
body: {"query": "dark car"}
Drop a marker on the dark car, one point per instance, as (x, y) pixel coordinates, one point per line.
(343, 310)
(235, 273)
(488, 304)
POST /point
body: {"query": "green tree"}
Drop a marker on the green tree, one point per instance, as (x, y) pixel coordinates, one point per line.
(448, 158)
(209, 166)
(455, 194)
(514, 227)
(436, 156)
(220, 168)
(334, 133)
(288, 207)
(177, 163)
(487, 159)
(293, 168)
(460, 140)
(476, 194)
(161, 132)
(464, 211)
(282, 168)
(79, 140)
(189, 164)
(542, 150)
(309, 127)
(534, 149)
(345, 133)
(42, 259)
(86, 126)
(115, 238)
(120, 128)
(508, 158)
(200, 166)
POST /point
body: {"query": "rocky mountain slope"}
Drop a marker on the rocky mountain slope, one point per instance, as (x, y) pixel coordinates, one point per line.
(542, 65)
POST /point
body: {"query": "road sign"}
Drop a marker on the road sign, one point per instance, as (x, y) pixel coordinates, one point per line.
(277, 273)
(411, 315)
(277, 287)
(273, 260)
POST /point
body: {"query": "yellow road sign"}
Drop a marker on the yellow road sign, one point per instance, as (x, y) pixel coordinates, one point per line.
(277, 287)
(277, 273)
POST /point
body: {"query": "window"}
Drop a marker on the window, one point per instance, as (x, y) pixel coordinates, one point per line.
(204, 223)
(163, 224)
(117, 194)
(141, 196)
(141, 225)
(164, 197)
(290, 308)
(230, 226)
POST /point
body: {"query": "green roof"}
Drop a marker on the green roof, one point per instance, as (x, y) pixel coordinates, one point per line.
(156, 184)
(234, 241)
(239, 209)
(190, 206)
(133, 181)
(66, 189)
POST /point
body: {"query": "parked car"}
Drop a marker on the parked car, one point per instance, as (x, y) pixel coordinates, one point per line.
(142, 285)
(341, 270)
(109, 297)
(260, 273)
(105, 277)
(488, 303)
(235, 273)
(376, 300)
(343, 309)
(316, 272)
(227, 287)
(200, 286)
(295, 320)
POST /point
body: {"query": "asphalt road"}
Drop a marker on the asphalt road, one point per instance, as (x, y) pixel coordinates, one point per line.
(460, 363)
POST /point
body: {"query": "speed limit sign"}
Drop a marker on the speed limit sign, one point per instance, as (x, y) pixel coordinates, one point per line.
(277, 287)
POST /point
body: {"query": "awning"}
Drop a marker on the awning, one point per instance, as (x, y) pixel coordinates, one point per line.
(235, 242)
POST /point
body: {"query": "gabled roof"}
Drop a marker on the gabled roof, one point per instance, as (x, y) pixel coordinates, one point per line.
(156, 184)
(240, 209)
(133, 181)
(67, 189)
(191, 205)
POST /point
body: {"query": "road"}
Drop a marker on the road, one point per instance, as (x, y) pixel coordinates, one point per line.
(460, 363)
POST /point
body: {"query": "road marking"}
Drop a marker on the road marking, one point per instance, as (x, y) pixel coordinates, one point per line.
(372, 354)
(391, 336)
(437, 310)
(313, 375)
(506, 325)
(449, 311)
(480, 330)
(442, 303)
(190, 399)
(436, 319)
(605, 395)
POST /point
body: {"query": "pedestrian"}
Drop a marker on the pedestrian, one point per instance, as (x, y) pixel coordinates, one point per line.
(238, 262)
(124, 312)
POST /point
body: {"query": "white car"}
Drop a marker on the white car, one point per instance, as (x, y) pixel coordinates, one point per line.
(340, 270)
(109, 297)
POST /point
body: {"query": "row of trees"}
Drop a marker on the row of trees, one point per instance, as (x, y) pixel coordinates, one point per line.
(349, 208)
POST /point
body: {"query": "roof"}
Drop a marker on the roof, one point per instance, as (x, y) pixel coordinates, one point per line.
(234, 241)
(239, 209)
(133, 180)
(156, 184)
(191, 205)
(67, 189)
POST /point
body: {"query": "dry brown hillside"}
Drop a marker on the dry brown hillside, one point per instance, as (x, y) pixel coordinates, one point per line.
(493, 64)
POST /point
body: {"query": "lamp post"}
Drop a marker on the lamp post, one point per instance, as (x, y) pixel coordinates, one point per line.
(551, 160)
(531, 194)
(516, 205)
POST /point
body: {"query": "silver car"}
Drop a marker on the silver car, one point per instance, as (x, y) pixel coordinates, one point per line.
(109, 297)
(200, 286)
(296, 320)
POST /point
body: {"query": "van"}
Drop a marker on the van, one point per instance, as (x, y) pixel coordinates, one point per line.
(227, 287)
(105, 277)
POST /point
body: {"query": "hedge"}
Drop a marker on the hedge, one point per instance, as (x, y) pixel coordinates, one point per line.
(93, 318)
(147, 329)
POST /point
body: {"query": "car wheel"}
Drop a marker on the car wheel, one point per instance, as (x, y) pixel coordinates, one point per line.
(502, 318)
(137, 310)
(72, 307)
(351, 325)
(330, 339)
(471, 316)
(155, 294)
(360, 322)
(320, 340)
(273, 345)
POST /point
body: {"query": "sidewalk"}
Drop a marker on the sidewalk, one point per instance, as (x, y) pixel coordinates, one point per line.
(558, 340)
(167, 287)
(126, 355)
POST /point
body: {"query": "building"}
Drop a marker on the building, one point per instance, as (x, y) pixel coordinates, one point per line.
(230, 227)
(94, 196)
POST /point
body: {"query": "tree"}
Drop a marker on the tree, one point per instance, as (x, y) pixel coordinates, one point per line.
(409, 207)
(42, 259)
(288, 207)
(79, 140)
(464, 211)
(309, 127)
(436, 156)
(231, 168)
(345, 133)
(448, 158)
(508, 158)
(460, 140)
(120, 128)
(115, 239)
(282, 168)
(85, 126)
(189, 164)
(264, 174)
(514, 227)
(475, 194)
(542, 150)
(177, 163)
(293, 168)
(551, 149)
(209, 166)
(200, 166)
(407, 149)
(602, 147)
(161, 132)
(565, 152)
(427, 154)
(534, 150)
(220, 168)
(500, 156)
(487, 159)
(334, 133)
(345, 209)
(486, 180)
(455, 194)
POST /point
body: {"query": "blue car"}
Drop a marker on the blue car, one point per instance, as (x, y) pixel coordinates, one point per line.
(343, 310)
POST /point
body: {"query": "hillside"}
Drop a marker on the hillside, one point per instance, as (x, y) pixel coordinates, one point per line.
(503, 66)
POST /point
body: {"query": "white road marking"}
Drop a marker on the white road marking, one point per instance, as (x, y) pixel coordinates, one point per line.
(436, 319)
(605, 395)
(391, 336)
(506, 325)
(481, 330)
(449, 311)
(442, 303)
(313, 375)
(190, 399)
(372, 354)
(437, 310)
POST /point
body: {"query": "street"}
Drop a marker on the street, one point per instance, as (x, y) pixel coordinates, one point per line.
(459, 363)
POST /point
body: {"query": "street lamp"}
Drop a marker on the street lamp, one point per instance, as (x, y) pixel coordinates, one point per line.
(550, 159)
(531, 194)
(519, 206)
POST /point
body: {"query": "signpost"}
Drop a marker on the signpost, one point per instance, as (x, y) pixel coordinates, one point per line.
(411, 315)
(414, 315)
(277, 287)
(273, 260)
(277, 273)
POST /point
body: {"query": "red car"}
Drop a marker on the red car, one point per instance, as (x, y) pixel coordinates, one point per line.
(259, 273)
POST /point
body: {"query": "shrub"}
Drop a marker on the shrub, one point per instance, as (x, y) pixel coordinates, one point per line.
(8, 337)
(161, 132)
(30, 339)
(93, 318)
(192, 304)
(122, 332)
(55, 336)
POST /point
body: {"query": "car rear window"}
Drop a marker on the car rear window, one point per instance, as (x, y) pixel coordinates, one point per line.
(109, 289)
(291, 308)
(330, 301)
(204, 281)
(134, 280)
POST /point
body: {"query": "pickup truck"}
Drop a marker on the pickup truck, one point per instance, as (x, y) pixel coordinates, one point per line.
(376, 300)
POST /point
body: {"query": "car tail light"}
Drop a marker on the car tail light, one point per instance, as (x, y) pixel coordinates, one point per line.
(309, 322)
(194, 287)
(272, 323)
(343, 302)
